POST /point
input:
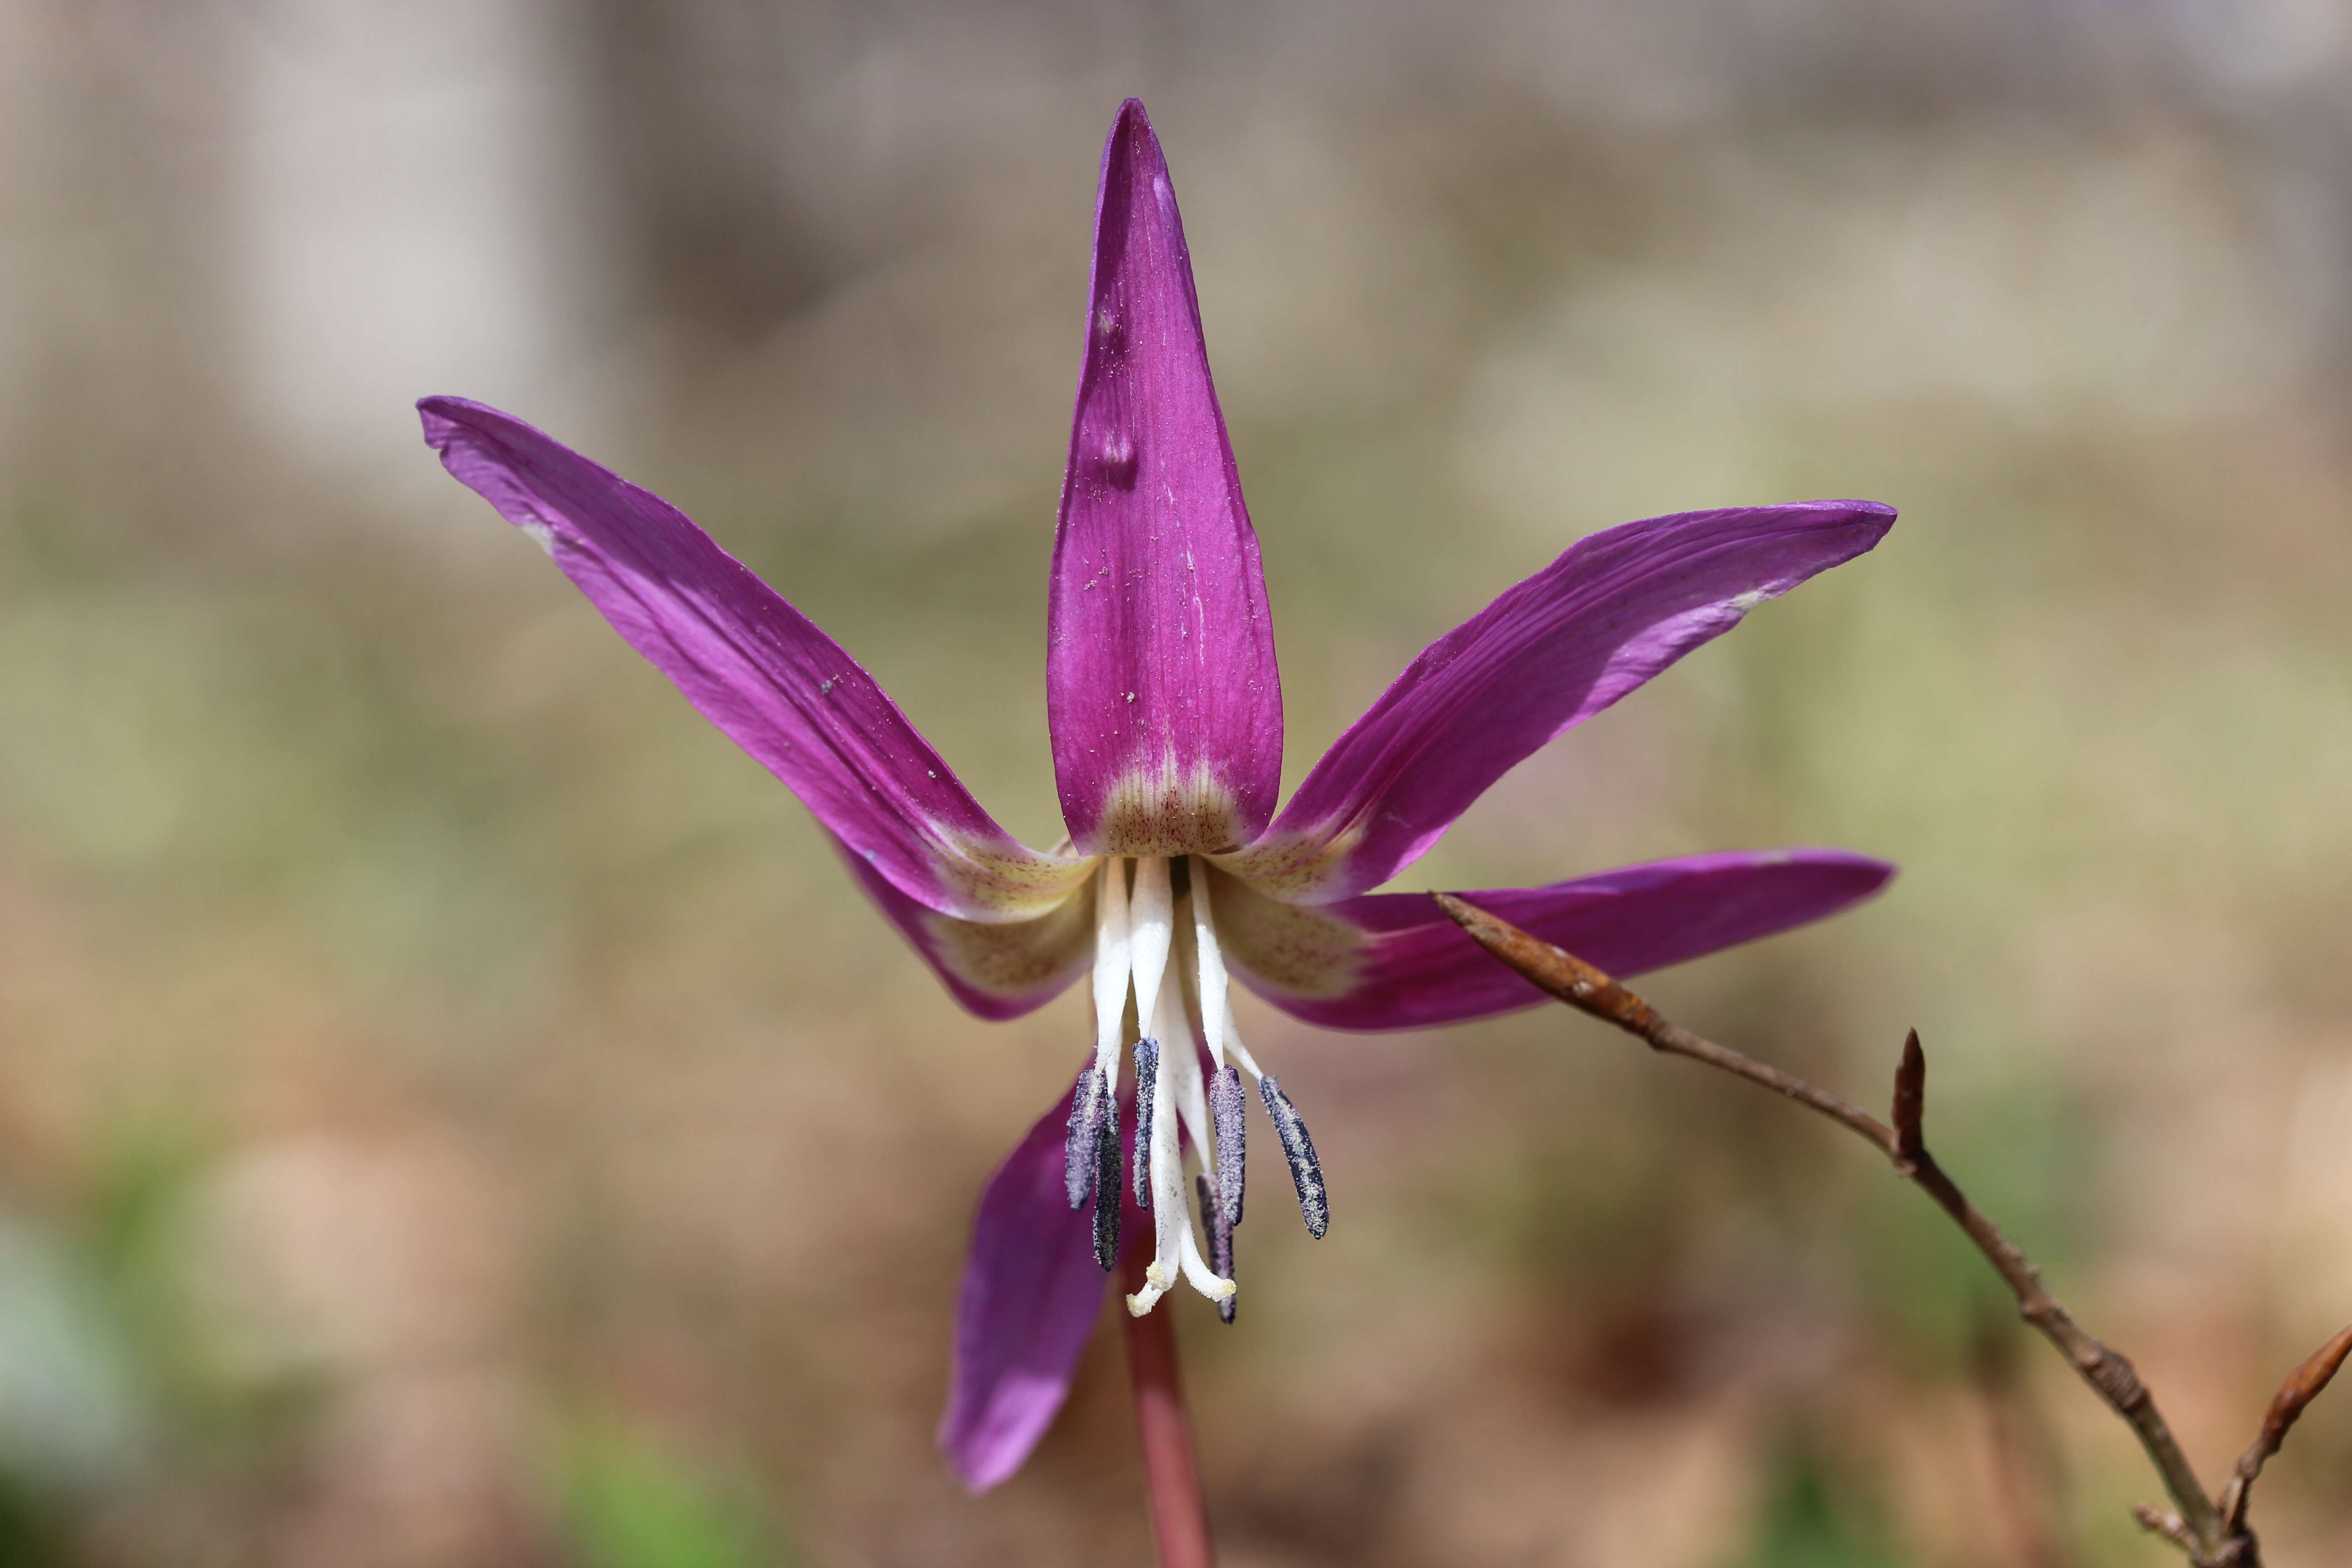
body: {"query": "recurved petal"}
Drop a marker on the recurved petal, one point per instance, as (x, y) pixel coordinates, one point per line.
(1391, 961)
(998, 969)
(1165, 705)
(1614, 610)
(755, 667)
(1032, 1292)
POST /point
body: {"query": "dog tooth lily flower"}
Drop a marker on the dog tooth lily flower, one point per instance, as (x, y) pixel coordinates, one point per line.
(1179, 877)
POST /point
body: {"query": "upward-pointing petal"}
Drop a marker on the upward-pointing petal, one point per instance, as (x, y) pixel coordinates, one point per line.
(1161, 683)
(755, 667)
(1614, 610)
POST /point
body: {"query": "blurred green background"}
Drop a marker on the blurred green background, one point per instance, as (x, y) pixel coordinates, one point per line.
(455, 1111)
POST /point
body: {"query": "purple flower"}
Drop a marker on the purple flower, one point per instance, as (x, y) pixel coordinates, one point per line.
(1166, 713)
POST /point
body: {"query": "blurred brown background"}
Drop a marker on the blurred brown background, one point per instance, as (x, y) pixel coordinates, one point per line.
(454, 1112)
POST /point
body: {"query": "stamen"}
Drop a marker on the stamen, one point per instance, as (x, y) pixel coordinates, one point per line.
(1220, 1234)
(1225, 1108)
(1113, 953)
(1146, 1074)
(1215, 1007)
(1306, 1170)
(1086, 1102)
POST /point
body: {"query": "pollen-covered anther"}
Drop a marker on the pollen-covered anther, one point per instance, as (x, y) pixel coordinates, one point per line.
(1306, 1170)
(1090, 1102)
(1221, 1236)
(1146, 1074)
(1106, 1185)
(1226, 1105)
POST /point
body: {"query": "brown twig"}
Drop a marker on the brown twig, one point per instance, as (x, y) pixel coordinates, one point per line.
(2303, 1385)
(2212, 1535)
(2162, 1521)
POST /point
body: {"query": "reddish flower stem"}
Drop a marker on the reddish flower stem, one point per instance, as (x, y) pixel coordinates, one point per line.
(1179, 1515)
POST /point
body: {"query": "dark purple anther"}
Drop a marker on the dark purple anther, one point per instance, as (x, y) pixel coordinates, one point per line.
(1086, 1103)
(1226, 1104)
(1106, 1185)
(1306, 1170)
(1147, 1073)
(1221, 1238)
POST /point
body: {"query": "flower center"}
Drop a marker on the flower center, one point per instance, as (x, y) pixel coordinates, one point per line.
(1156, 945)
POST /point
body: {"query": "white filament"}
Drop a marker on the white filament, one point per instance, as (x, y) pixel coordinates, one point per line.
(1112, 953)
(1212, 971)
(1151, 927)
(1234, 1042)
(1188, 1089)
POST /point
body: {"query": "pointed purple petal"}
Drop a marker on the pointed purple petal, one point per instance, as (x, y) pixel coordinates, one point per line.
(1613, 611)
(997, 969)
(1032, 1292)
(1391, 961)
(1165, 705)
(753, 666)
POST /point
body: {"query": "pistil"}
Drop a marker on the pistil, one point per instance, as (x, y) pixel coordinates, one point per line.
(1175, 1249)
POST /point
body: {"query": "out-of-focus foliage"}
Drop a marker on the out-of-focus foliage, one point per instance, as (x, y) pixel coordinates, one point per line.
(453, 1109)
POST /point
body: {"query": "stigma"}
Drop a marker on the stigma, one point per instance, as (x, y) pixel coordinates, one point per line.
(1163, 1006)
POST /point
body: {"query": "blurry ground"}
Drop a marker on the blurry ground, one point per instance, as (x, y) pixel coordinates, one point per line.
(454, 1112)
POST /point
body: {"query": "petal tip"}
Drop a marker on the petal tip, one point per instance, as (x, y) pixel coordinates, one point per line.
(443, 417)
(1131, 135)
(1856, 876)
(978, 1472)
(1865, 512)
(1134, 120)
(433, 413)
